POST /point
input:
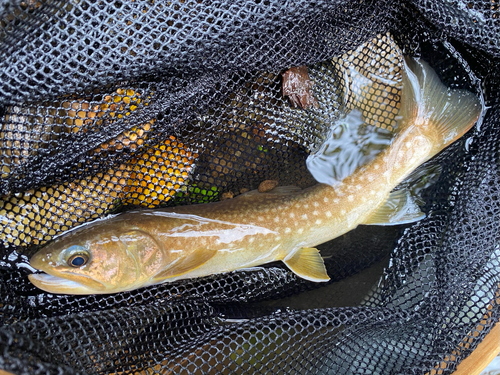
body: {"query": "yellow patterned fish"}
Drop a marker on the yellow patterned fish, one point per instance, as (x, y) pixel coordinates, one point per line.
(141, 248)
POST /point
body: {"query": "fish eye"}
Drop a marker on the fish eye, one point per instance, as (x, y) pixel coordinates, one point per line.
(77, 256)
(78, 260)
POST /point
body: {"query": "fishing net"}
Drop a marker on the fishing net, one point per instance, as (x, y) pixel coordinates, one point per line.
(108, 106)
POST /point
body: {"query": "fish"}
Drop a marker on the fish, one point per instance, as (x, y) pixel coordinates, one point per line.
(140, 248)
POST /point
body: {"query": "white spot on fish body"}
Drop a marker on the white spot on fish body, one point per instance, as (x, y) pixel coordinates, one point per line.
(287, 230)
(371, 178)
(301, 230)
(376, 166)
(260, 218)
(350, 198)
(336, 200)
(325, 199)
(292, 215)
(277, 238)
(315, 213)
(304, 217)
(277, 219)
(316, 204)
(251, 239)
(306, 206)
(343, 212)
(328, 214)
(318, 221)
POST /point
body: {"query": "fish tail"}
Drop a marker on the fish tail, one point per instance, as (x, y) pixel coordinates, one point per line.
(446, 113)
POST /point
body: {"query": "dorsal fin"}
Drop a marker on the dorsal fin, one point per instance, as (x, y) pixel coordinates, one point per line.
(284, 190)
(279, 190)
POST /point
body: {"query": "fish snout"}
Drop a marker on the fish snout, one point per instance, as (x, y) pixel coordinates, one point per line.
(41, 260)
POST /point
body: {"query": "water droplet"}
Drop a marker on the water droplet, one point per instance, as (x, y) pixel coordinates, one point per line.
(468, 143)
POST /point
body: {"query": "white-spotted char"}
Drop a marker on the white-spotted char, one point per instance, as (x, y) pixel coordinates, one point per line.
(141, 248)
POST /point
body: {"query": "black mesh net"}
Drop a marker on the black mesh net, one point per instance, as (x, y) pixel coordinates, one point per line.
(106, 106)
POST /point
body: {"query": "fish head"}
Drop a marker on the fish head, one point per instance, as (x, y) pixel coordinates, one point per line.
(96, 260)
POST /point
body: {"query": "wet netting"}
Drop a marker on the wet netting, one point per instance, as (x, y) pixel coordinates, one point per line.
(112, 105)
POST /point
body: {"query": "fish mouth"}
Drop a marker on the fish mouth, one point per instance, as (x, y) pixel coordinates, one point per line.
(59, 285)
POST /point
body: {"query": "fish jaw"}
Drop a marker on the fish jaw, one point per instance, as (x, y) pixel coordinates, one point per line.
(59, 285)
(58, 281)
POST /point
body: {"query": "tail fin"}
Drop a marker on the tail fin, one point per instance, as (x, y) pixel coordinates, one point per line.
(426, 100)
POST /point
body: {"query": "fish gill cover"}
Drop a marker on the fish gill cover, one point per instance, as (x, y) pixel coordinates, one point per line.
(111, 105)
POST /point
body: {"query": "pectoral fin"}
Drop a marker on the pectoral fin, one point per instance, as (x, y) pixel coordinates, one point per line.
(189, 263)
(308, 264)
(400, 208)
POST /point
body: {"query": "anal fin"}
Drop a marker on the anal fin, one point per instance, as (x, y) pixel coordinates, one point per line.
(189, 263)
(308, 264)
(400, 208)
(421, 178)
